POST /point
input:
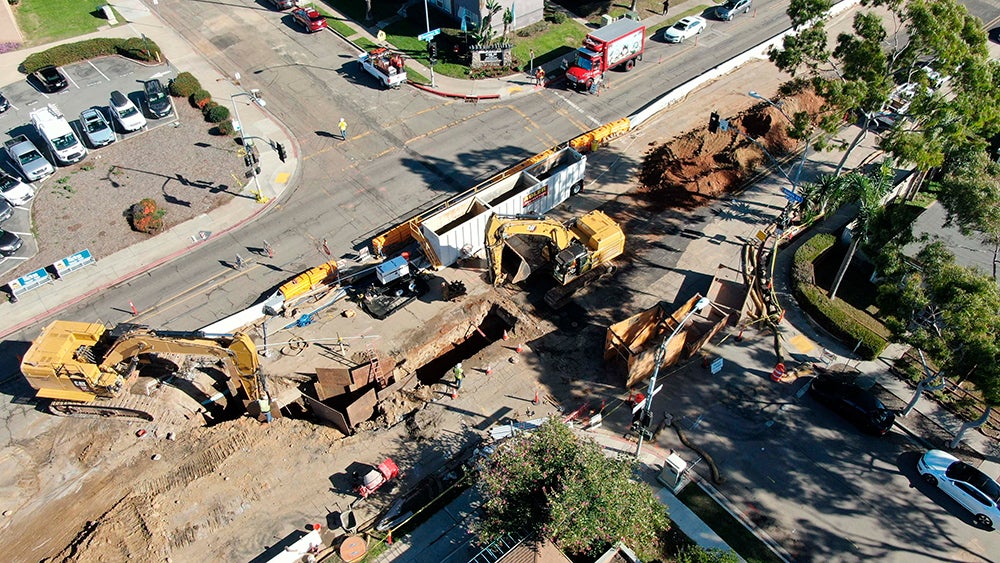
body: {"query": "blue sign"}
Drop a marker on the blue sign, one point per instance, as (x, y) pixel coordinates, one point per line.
(28, 282)
(73, 262)
(429, 35)
(792, 196)
(716, 366)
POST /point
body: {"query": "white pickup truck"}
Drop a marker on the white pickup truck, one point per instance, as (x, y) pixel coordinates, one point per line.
(387, 67)
(62, 141)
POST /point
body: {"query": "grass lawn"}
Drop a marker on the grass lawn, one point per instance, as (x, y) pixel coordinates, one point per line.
(729, 529)
(44, 21)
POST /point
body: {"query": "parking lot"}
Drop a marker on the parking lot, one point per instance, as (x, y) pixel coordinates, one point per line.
(90, 85)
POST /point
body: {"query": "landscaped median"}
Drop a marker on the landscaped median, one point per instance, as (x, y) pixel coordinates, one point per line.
(836, 317)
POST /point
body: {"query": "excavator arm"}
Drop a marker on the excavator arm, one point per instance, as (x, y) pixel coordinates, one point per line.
(500, 227)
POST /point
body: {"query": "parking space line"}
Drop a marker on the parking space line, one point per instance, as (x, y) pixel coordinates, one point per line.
(99, 71)
(70, 78)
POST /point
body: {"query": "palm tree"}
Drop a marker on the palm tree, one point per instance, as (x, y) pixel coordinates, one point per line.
(869, 189)
(508, 20)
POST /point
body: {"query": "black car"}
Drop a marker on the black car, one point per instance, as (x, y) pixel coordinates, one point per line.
(157, 101)
(50, 79)
(855, 404)
(9, 243)
(4, 103)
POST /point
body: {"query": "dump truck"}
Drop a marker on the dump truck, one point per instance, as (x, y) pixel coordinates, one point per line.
(578, 253)
(620, 43)
(385, 65)
(86, 370)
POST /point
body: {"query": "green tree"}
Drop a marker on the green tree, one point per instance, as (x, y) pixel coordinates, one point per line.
(969, 190)
(552, 484)
(865, 66)
(868, 190)
(950, 311)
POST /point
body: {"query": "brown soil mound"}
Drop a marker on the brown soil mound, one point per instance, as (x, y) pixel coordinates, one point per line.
(697, 167)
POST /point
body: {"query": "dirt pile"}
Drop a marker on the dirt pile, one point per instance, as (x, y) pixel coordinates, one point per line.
(699, 166)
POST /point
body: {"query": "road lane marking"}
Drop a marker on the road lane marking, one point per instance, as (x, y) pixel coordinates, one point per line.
(595, 121)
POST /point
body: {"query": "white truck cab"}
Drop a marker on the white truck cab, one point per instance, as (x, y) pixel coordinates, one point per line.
(62, 141)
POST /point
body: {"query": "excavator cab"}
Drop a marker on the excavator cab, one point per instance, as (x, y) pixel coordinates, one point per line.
(571, 262)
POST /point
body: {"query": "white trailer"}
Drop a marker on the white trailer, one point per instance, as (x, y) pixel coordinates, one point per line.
(386, 66)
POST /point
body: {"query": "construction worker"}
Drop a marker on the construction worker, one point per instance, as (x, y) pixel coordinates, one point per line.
(540, 76)
(459, 375)
(343, 129)
(265, 407)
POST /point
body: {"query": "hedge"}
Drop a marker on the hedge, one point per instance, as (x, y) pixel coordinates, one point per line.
(839, 318)
(184, 85)
(133, 48)
(215, 113)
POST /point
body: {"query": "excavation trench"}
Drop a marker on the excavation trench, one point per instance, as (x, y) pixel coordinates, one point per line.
(480, 335)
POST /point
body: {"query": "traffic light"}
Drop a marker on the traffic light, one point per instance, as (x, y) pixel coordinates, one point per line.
(432, 51)
(281, 151)
(713, 122)
(248, 160)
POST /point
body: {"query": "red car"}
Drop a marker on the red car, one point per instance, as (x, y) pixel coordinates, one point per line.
(309, 19)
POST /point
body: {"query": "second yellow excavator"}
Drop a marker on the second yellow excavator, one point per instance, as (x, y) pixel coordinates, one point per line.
(578, 252)
(87, 370)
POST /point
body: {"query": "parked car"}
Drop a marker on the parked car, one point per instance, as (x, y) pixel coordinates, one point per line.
(309, 19)
(857, 405)
(9, 243)
(726, 11)
(283, 4)
(684, 29)
(96, 128)
(157, 100)
(50, 79)
(123, 111)
(970, 487)
(28, 159)
(6, 210)
(15, 191)
(4, 103)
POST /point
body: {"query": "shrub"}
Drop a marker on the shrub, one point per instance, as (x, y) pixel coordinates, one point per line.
(215, 113)
(200, 99)
(184, 85)
(557, 17)
(145, 216)
(223, 128)
(133, 48)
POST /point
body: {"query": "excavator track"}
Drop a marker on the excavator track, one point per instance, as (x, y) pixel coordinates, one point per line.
(129, 409)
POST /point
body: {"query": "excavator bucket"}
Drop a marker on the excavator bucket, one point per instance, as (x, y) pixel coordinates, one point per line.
(520, 258)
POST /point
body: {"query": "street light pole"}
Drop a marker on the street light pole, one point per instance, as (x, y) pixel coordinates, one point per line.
(254, 96)
(661, 352)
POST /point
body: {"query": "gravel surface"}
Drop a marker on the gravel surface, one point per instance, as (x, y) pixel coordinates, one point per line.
(184, 168)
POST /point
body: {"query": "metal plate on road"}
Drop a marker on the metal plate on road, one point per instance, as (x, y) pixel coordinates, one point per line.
(762, 235)
(792, 196)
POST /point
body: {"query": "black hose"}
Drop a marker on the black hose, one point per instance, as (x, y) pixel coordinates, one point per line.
(716, 476)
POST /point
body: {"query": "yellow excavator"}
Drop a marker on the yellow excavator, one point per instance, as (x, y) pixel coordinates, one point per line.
(578, 253)
(87, 370)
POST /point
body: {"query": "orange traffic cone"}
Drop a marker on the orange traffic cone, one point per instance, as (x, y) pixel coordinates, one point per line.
(489, 370)
(388, 538)
(535, 400)
(454, 393)
(505, 335)
(519, 349)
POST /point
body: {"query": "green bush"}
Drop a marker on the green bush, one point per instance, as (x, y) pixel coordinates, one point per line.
(557, 17)
(133, 48)
(184, 85)
(223, 128)
(215, 113)
(200, 99)
(837, 317)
